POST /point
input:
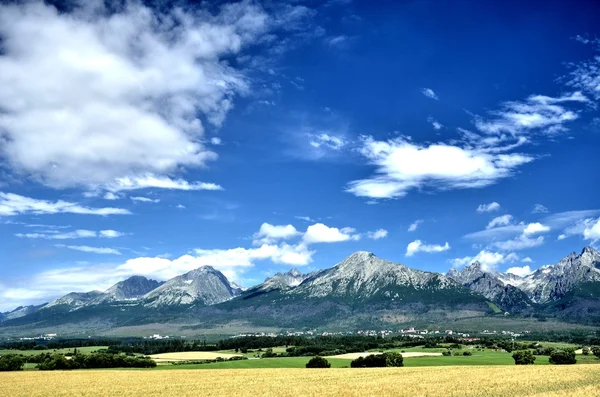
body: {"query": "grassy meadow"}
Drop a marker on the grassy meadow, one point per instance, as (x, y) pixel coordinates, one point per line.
(478, 381)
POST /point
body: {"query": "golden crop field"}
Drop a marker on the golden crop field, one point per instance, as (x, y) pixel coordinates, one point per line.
(501, 381)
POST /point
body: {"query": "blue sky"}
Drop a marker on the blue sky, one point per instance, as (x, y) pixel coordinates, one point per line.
(258, 137)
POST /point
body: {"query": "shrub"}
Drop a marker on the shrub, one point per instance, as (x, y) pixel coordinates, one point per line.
(585, 351)
(318, 362)
(391, 359)
(523, 357)
(446, 353)
(596, 351)
(467, 353)
(562, 357)
(11, 362)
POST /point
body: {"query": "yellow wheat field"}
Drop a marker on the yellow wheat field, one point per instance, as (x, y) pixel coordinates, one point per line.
(485, 381)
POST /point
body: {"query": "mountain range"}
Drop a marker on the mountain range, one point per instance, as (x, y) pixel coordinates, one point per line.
(361, 290)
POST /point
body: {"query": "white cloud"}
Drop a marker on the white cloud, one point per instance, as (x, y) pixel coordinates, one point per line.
(585, 75)
(180, 206)
(377, 234)
(326, 140)
(123, 94)
(81, 233)
(519, 271)
(320, 233)
(216, 141)
(429, 93)
(402, 166)
(153, 181)
(536, 112)
(337, 41)
(592, 230)
(14, 204)
(562, 237)
(93, 250)
(488, 260)
(111, 196)
(527, 260)
(534, 228)
(494, 206)
(268, 233)
(539, 209)
(519, 243)
(110, 233)
(144, 199)
(419, 246)
(305, 218)
(436, 124)
(414, 226)
(500, 221)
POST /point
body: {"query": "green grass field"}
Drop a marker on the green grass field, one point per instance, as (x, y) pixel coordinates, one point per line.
(478, 357)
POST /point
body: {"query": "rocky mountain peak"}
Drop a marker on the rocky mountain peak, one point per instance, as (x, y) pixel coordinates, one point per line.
(204, 285)
(293, 273)
(132, 288)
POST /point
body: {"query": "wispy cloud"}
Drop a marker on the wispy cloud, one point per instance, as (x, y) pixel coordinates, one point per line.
(81, 233)
(152, 181)
(436, 124)
(539, 209)
(92, 250)
(414, 226)
(537, 112)
(139, 199)
(493, 206)
(429, 93)
(14, 204)
(328, 141)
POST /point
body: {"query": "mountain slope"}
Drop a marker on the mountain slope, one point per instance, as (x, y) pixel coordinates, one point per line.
(133, 288)
(20, 311)
(493, 286)
(553, 282)
(363, 276)
(75, 300)
(279, 281)
(204, 286)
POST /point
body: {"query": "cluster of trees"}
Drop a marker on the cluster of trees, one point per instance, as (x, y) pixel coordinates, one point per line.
(391, 359)
(148, 347)
(524, 357)
(562, 357)
(11, 362)
(318, 362)
(58, 344)
(94, 361)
